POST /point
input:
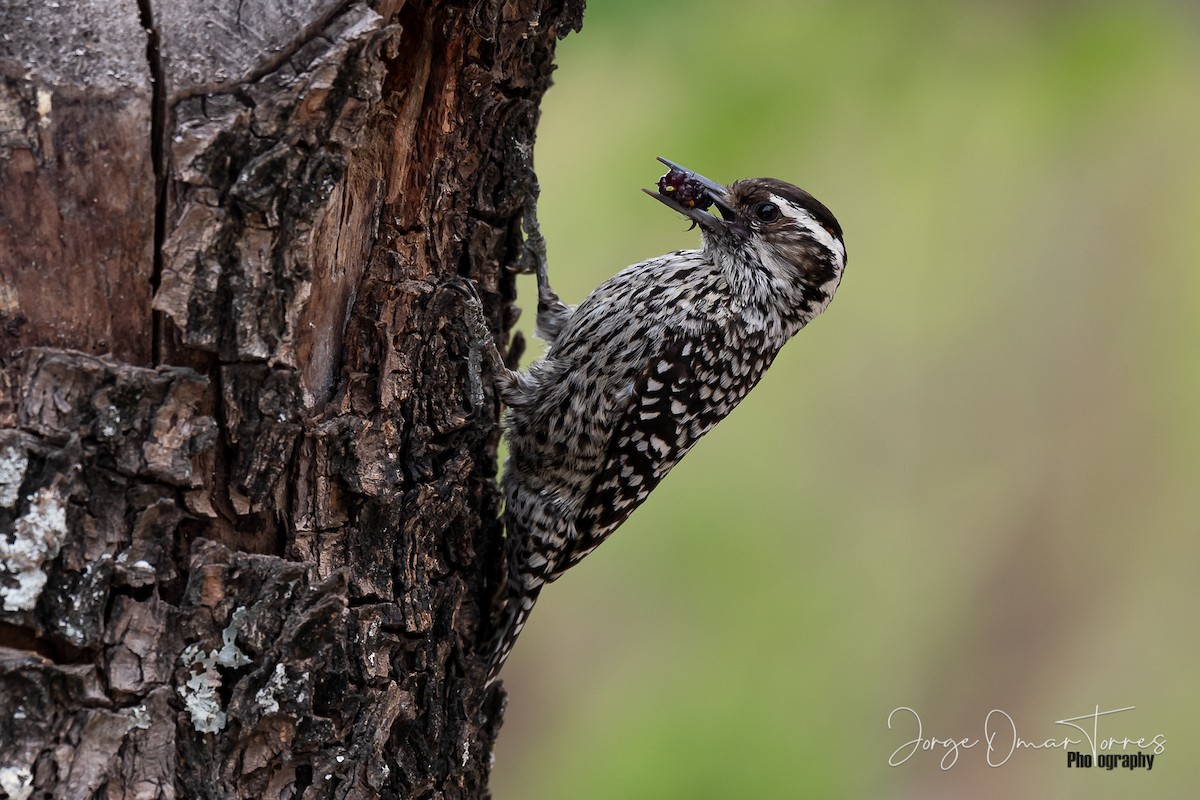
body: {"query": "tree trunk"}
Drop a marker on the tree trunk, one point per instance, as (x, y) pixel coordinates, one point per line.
(248, 534)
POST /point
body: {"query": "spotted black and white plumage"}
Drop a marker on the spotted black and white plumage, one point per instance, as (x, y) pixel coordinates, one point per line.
(645, 366)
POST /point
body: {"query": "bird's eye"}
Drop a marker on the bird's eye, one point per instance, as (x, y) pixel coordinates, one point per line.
(766, 212)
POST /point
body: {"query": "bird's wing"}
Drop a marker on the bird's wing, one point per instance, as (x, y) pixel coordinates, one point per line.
(685, 388)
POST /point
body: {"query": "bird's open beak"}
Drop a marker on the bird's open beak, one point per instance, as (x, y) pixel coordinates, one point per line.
(713, 191)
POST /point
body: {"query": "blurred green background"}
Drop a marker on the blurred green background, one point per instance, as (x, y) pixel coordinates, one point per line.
(974, 483)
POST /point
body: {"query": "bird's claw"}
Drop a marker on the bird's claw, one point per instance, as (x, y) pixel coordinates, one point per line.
(481, 341)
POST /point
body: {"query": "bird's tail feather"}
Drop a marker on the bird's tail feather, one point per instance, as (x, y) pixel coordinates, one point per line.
(516, 614)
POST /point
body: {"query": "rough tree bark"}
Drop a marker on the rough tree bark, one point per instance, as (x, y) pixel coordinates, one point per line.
(248, 537)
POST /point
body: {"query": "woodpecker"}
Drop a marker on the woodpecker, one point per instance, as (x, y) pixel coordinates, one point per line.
(649, 362)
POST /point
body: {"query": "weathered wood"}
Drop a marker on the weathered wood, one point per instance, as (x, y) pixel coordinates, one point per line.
(248, 536)
(77, 206)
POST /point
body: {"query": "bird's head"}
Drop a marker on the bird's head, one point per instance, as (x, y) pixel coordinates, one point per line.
(778, 232)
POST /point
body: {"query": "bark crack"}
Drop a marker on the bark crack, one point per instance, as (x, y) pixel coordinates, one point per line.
(158, 120)
(311, 32)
